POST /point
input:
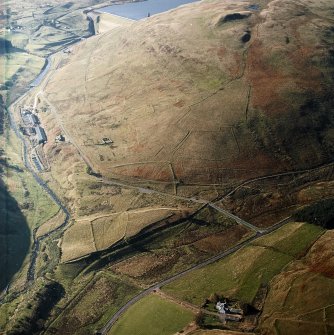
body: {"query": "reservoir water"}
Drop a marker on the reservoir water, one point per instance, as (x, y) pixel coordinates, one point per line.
(140, 10)
(42, 74)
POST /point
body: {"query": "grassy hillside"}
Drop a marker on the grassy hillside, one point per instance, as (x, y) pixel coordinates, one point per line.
(97, 302)
(193, 119)
(153, 316)
(242, 274)
(236, 104)
(301, 298)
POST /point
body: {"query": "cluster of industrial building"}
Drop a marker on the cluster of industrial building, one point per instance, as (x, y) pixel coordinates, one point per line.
(32, 126)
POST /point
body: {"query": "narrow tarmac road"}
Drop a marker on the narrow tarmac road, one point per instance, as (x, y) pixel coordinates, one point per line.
(123, 309)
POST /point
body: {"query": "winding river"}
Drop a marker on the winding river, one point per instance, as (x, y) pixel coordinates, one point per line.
(10, 111)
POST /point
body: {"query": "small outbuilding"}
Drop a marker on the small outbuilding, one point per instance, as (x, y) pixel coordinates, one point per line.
(60, 138)
(107, 140)
(229, 313)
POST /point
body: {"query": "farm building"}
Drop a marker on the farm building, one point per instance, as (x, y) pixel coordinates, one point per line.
(40, 134)
(229, 313)
(221, 307)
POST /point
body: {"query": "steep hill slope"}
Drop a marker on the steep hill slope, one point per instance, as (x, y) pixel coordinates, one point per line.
(205, 94)
(184, 107)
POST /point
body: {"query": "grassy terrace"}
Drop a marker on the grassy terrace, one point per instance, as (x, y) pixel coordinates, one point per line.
(152, 316)
(241, 274)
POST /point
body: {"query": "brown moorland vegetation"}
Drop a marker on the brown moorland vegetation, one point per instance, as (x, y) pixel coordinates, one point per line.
(214, 111)
(196, 101)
